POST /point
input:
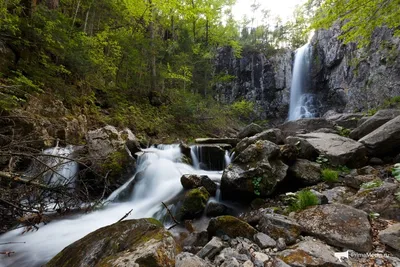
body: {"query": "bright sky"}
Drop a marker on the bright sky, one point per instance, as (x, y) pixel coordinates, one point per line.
(281, 8)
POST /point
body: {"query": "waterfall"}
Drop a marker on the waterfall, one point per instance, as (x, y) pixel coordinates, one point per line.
(157, 180)
(300, 104)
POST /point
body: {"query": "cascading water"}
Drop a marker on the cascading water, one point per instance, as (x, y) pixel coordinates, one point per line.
(157, 180)
(301, 105)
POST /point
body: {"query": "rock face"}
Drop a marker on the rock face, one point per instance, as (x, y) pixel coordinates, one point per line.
(351, 79)
(264, 81)
(279, 226)
(374, 122)
(255, 172)
(337, 149)
(307, 172)
(142, 242)
(385, 140)
(338, 225)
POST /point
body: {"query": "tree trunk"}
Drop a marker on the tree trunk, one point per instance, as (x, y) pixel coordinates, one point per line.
(153, 82)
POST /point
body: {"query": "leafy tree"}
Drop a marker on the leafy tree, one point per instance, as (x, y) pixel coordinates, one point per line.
(358, 18)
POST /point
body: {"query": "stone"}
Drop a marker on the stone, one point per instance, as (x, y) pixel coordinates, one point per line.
(142, 242)
(209, 185)
(338, 194)
(228, 254)
(255, 172)
(194, 203)
(304, 126)
(212, 248)
(377, 199)
(196, 239)
(338, 225)
(186, 259)
(355, 181)
(345, 120)
(337, 149)
(310, 253)
(217, 209)
(231, 226)
(273, 135)
(130, 140)
(250, 130)
(307, 172)
(191, 181)
(374, 122)
(322, 199)
(281, 244)
(384, 140)
(254, 216)
(375, 161)
(391, 236)
(264, 241)
(276, 226)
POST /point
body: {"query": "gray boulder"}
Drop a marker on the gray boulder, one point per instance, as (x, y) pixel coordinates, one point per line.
(338, 225)
(306, 171)
(279, 226)
(186, 259)
(191, 181)
(385, 140)
(250, 130)
(140, 242)
(273, 135)
(345, 120)
(264, 241)
(374, 122)
(303, 126)
(212, 248)
(230, 141)
(391, 236)
(337, 149)
(310, 253)
(255, 172)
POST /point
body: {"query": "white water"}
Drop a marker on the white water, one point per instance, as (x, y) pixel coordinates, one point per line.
(297, 107)
(160, 170)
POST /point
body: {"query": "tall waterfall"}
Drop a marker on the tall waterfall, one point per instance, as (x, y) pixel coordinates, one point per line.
(157, 180)
(301, 105)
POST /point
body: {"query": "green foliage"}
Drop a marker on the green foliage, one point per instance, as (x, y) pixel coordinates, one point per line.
(243, 109)
(372, 184)
(397, 195)
(374, 215)
(343, 131)
(358, 19)
(304, 198)
(343, 169)
(321, 159)
(330, 176)
(393, 102)
(256, 183)
(396, 171)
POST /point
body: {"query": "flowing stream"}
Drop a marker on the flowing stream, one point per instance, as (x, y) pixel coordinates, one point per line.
(301, 105)
(157, 180)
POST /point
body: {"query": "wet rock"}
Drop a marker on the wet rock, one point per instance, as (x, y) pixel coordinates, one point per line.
(217, 209)
(211, 156)
(255, 172)
(191, 181)
(186, 259)
(250, 130)
(391, 236)
(231, 226)
(374, 122)
(130, 140)
(303, 126)
(384, 140)
(212, 248)
(273, 135)
(185, 150)
(264, 241)
(196, 239)
(142, 242)
(230, 141)
(310, 253)
(194, 203)
(337, 149)
(276, 226)
(307, 172)
(375, 161)
(338, 225)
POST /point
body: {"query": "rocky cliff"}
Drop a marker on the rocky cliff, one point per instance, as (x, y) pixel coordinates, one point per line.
(343, 77)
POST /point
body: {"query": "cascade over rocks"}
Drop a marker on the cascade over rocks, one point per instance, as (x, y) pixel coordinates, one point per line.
(385, 140)
(142, 242)
(374, 122)
(255, 171)
(338, 225)
(337, 149)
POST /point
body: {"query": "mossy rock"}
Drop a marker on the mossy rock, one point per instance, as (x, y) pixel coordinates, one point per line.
(231, 226)
(194, 203)
(144, 242)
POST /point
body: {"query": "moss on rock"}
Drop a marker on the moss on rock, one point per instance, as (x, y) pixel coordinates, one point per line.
(231, 226)
(194, 203)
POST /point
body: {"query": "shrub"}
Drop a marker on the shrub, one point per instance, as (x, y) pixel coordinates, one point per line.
(372, 184)
(305, 198)
(330, 176)
(396, 171)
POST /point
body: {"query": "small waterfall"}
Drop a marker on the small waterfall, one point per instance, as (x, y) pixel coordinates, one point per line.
(228, 158)
(195, 154)
(157, 180)
(299, 104)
